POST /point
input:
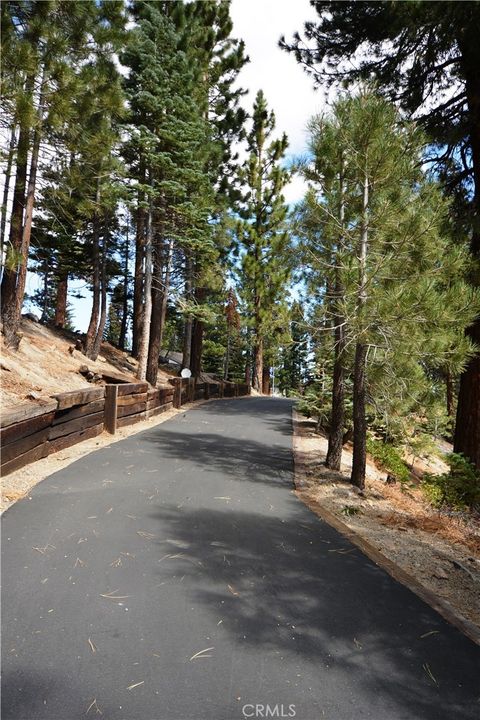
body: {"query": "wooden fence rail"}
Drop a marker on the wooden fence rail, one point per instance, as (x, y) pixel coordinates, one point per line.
(30, 433)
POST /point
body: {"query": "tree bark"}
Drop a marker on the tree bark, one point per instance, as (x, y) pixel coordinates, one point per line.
(266, 380)
(61, 300)
(467, 425)
(337, 424)
(147, 310)
(359, 418)
(138, 287)
(93, 324)
(337, 420)
(187, 334)
(123, 327)
(156, 329)
(9, 279)
(6, 189)
(258, 363)
(103, 295)
(359, 461)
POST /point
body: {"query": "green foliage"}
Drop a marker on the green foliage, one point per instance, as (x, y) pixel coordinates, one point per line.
(458, 489)
(350, 510)
(389, 459)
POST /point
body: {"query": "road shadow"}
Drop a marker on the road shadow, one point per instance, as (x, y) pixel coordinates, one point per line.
(296, 587)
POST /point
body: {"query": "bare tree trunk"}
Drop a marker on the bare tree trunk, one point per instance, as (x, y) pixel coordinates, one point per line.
(147, 311)
(187, 334)
(123, 326)
(103, 294)
(197, 336)
(258, 363)
(138, 287)
(337, 423)
(266, 380)
(157, 302)
(227, 357)
(6, 189)
(61, 300)
(46, 278)
(93, 324)
(359, 461)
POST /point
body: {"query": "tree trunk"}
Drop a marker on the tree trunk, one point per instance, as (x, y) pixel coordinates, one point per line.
(61, 300)
(147, 310)
(46, 278)
(158, 292)
(359, 388)
(248, 369)
(187, 334)
(337, 424)
(103, 293)
(258, 364)
(123, 327)
(138, 287)
(337, 421)
(27, 227)
(227, 357)
(197, 336)
(359, 418)
(93, 324)
(266, 380)
(6, 188)
(467, 425)
(9, 279)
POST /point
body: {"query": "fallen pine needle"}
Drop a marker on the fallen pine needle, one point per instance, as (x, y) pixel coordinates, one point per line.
(92, 646)
(232, 590)
(79, 562)
(358, 645)
(146, 535)
(94, 705)
(426, 667)
(431, 632)
(112, 596)
(201, 654)
(130, 687)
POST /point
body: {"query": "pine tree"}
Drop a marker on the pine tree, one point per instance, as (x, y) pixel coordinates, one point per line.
(403, 296)
(262, 238)
(414, 51)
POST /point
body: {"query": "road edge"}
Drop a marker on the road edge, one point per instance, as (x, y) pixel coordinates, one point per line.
(444, 608)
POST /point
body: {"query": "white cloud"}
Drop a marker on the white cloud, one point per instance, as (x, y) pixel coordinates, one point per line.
(289, 91)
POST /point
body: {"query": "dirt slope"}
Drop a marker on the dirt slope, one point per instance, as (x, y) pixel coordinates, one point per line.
(43, 365)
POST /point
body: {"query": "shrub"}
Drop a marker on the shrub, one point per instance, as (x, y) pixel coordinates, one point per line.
(459, 488)
(389, 459)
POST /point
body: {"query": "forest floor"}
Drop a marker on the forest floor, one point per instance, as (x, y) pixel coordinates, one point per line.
(47, 363)
(440, 550)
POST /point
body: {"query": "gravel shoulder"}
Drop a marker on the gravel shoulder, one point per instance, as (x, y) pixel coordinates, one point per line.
(441, 553)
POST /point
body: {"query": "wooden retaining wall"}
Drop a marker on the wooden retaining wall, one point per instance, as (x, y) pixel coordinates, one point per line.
(31, 433)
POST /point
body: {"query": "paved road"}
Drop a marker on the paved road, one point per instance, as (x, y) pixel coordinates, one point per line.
(187, 536)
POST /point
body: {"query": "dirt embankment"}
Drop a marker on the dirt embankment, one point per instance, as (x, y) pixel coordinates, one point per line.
(47, 363)
(441, 551)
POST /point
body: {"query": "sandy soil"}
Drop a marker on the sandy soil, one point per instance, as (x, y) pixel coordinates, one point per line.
(44, 365)
(441, 551)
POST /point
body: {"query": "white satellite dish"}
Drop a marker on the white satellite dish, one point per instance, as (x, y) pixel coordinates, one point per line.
(186, 373)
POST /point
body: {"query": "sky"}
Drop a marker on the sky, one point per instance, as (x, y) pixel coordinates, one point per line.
(288, 90)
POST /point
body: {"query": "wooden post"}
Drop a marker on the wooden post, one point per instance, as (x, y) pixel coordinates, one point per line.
(111, 398)
(235, 390)
(222, 388)
(177, 393)
(191, 389)
(207, 391)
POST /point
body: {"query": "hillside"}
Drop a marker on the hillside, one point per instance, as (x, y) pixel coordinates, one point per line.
(47, 363)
